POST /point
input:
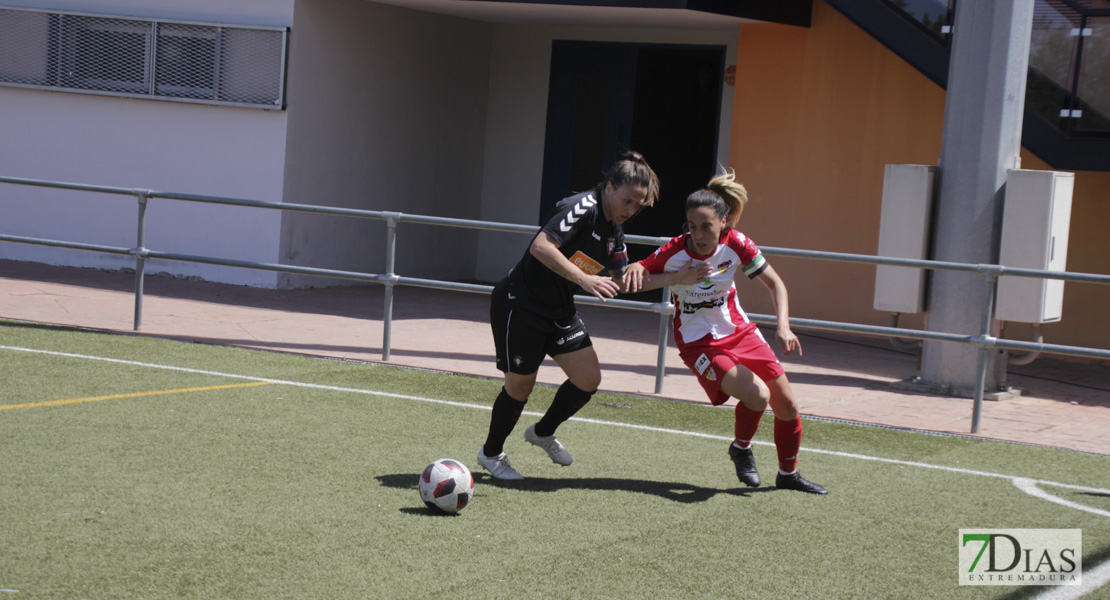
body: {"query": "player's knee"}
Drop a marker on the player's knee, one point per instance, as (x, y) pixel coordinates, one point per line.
(757, 397)
(786, 413)
(589, 385)
(520, 390)
(754, 402)
(782, 399)
(587, 382)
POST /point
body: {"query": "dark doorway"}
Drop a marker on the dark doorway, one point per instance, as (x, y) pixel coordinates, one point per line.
(660, 100)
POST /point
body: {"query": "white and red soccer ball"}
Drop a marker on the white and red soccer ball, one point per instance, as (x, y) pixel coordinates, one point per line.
(446, 485)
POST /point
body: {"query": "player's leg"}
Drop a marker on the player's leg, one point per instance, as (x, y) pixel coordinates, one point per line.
(582, 367)
(788, 437)
(503, 418)
(506, 411)
(788, 423)
(574, 353)
(752, 397)
(518, 344)
(755, 353)
(720, 373)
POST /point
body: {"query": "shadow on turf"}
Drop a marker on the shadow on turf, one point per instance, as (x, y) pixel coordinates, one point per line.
(678, 492)
(424, 511)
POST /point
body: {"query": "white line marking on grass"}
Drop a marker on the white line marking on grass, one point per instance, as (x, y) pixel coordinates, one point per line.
(1029, 486)
(1092, 580)
(1024, 484)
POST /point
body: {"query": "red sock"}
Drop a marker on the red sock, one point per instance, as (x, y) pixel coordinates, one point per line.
(747, 422)
(788, 440)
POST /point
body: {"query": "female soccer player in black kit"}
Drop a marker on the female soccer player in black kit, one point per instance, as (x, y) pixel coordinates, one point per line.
(532, 310)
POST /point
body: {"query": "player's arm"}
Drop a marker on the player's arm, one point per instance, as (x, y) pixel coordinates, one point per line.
(546, 250)
(638, 279)
(786, 338)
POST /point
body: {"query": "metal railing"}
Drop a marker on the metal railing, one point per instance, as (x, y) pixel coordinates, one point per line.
(983, 340)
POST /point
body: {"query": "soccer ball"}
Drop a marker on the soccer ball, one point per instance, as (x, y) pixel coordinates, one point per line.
(446, 485)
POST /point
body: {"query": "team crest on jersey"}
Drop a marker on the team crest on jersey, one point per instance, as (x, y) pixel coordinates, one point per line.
(702, 364)
(721, 268)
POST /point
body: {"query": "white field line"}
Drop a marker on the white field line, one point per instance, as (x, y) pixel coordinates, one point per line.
(1092, 580)
(1024, 484)
(1029, 486)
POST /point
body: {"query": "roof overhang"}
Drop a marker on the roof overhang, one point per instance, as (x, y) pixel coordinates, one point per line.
(686, 14)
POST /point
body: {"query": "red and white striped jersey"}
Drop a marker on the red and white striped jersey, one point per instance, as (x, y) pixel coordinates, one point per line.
(710, 307)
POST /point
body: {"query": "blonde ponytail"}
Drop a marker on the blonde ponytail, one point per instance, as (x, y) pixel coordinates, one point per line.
(723, 195)
(734, 194)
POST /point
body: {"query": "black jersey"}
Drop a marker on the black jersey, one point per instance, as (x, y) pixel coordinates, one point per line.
(584, 236)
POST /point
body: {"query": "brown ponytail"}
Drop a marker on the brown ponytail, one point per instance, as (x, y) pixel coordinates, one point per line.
(631, 168)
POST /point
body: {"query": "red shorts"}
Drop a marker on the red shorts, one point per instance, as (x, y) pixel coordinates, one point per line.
(711, 361)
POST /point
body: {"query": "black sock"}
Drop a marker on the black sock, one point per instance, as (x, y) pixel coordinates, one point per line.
(568, 400)
(506, 412)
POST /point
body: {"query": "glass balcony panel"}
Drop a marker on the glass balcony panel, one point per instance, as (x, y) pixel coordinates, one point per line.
(1093, 89)
(933, 14)
(1051, 55)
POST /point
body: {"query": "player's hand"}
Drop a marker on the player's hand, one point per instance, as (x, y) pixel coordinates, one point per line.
(633, 279)
(693, 272)
(601, 287)
(788, 341)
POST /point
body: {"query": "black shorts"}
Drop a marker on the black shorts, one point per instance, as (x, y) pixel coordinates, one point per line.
(523, 338)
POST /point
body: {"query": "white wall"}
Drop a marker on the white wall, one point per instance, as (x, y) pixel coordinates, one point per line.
(387, 110)
(517, 117)
(167, 146)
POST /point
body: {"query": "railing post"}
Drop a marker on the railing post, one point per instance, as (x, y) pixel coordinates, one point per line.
(664, 328)
(985, 339)
(390, 282)
(140, 258)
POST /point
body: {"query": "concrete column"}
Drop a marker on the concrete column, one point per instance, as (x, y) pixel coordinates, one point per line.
(982, 138)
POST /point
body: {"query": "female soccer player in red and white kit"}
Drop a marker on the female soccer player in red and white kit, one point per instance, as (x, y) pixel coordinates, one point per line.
(715, 339)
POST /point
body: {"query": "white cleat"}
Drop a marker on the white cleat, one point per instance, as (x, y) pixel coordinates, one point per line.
(498, 466)
(550, 445)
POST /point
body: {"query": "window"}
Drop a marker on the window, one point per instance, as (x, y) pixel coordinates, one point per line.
(104, 54)
(187, 59)
(168, 60)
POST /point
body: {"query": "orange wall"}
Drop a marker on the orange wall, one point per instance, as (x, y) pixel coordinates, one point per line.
(818, 113)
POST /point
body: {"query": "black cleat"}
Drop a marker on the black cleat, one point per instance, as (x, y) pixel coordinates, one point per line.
(745, 465)
(794, 481)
